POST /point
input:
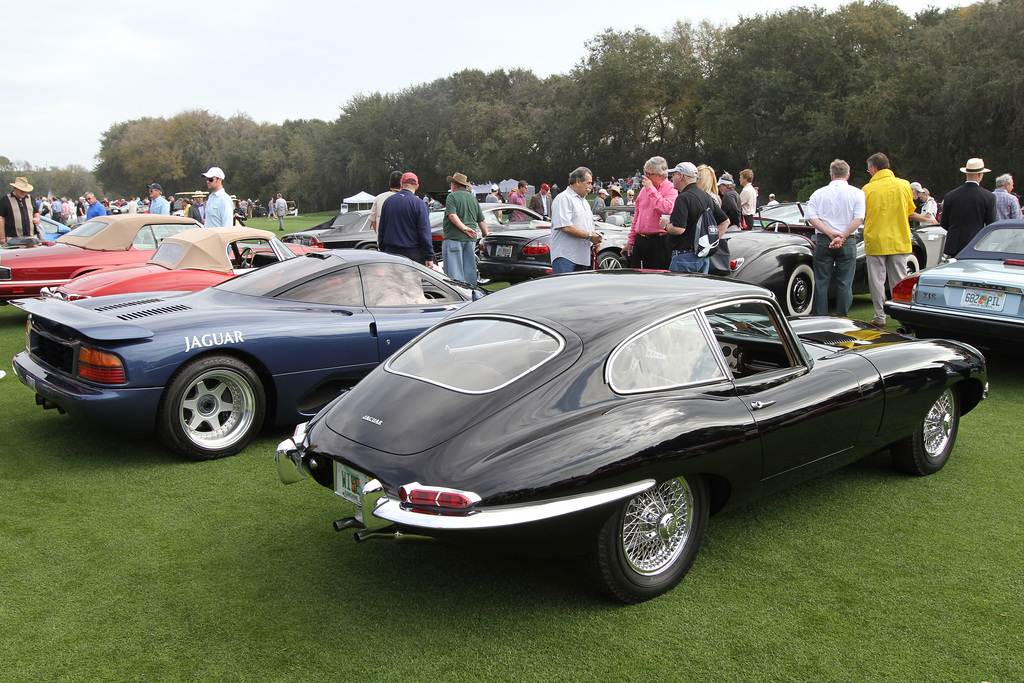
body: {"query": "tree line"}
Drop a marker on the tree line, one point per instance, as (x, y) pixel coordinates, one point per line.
(782, 93)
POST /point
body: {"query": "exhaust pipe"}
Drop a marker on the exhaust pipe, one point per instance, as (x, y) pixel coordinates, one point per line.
(48, 404)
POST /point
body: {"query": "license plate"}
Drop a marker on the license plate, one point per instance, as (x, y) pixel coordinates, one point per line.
(349, 482)
(979, 298)
(503, 251)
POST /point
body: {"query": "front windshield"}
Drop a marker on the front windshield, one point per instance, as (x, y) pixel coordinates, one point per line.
(477, 355)
(88, 229)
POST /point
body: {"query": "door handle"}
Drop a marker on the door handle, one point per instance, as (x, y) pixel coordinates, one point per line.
(757, 405)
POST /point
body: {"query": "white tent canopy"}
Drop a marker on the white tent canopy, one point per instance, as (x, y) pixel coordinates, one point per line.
(361, 198)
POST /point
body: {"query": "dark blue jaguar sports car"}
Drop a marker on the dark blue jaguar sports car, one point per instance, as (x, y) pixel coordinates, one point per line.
(206, 370)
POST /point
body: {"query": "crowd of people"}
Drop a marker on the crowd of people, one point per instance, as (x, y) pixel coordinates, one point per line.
(20, 214)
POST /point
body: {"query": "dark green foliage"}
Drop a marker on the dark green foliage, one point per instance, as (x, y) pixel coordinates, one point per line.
(783, 93)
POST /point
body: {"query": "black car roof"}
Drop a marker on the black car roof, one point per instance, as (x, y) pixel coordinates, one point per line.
(581, 301)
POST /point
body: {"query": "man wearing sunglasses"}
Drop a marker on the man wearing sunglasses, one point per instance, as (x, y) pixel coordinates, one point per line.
(647, 245)
(219, 207)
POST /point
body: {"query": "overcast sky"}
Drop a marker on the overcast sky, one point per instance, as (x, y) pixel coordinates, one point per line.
(117, 60)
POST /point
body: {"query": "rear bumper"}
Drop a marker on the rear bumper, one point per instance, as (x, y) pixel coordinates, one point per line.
(497, 270)
(958, 323)
(131, 409)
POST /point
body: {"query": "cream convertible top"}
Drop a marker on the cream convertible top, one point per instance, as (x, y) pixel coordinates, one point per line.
(206, 248)
(116, 233)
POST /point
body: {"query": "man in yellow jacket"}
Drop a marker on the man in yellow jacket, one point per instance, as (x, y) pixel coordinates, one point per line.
(888, 203)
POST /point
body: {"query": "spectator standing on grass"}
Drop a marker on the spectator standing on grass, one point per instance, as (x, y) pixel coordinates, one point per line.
(518, 197)
(748, 197)
(541, 202)
(18, 215)
(95, 208)
(157, 203)
(281, 209)
(394, 185)
(690, 205)
(461, 212)
(835, 211)
(572, 225)
(967, 209)
(219, 207)
(888, 204)
(730, 200)
(1007, 206)
(647, 245)
(598, 205)
(405, 224)
(494, 197)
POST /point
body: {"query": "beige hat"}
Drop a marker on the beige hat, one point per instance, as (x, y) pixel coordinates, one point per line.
(459, 178)
(21, 183)
(975, 165)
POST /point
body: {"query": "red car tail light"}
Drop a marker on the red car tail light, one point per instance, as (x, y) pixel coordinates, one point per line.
(904, 289)
(436, 496)
(735, 263)
(536, 249)
(1013, 262)
(315, 242)
(97, 366)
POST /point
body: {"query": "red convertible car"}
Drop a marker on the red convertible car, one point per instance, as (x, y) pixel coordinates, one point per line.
(100, 243)
(187, 262)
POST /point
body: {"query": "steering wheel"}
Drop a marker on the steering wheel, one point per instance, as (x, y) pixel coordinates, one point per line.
(246, 257)
(776, 226)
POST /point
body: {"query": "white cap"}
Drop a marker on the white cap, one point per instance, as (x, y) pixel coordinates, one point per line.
(215, 172)
(684, 167)
(916, 186)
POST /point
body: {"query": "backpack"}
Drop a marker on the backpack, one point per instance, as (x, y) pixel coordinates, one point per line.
(705, 241)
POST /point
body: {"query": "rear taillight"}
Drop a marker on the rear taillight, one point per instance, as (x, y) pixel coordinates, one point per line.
(904, 289)
(315, 242)
(97, 366)
(735, 263)
(1013, 262)
(418, 495)
(536, 249)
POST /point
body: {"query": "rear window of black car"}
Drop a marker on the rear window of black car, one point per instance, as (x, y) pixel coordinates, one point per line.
(477, 355)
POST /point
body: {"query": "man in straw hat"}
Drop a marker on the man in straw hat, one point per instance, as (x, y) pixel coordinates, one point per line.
(18, 215)
(967, 209)
(461, 212)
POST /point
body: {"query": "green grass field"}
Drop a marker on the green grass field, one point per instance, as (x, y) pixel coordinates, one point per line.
(118, 561)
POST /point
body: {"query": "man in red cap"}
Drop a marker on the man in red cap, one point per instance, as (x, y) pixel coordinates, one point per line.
(404, 227)
(541, 202)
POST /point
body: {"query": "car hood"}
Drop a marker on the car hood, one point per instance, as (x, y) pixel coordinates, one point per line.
(126, 276)
(986, 272)
(33, 256)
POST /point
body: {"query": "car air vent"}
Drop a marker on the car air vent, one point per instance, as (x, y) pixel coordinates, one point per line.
(141, 302)
(135, 315)
(828, 338)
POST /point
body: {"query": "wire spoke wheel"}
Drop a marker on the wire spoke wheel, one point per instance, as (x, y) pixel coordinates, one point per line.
(656, 526)
(928, 449)
(938, 426)
(649, 544)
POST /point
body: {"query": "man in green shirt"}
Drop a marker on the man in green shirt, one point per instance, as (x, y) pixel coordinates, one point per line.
(461, 211)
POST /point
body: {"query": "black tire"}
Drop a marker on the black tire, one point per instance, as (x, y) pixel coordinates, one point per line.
(647, 547)
(927, 450)
(213, 407)
(799, 292)
(609, 259)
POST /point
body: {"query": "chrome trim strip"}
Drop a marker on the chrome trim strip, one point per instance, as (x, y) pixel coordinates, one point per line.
(33, 283)
(951, 313)
(501, 516)
(1009, 289)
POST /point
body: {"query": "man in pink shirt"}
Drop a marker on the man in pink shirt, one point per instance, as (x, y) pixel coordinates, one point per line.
(647, 246)
(518, 196)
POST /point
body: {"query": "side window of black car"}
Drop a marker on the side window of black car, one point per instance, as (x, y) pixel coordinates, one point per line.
(751, 338)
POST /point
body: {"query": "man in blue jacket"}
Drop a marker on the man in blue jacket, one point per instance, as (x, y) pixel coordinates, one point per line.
(404, 227)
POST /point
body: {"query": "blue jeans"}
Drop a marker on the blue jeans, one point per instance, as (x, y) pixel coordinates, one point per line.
(686, 262)
(843, 263)
(563, 265)
(460, 260)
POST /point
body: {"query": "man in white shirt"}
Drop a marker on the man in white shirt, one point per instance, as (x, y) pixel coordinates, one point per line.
(281, 209)
(394, 185)
(835, 211)
(219, 207)
(572, 225)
